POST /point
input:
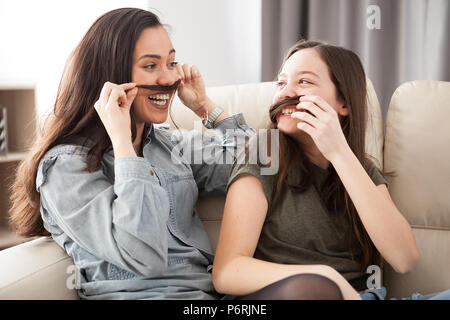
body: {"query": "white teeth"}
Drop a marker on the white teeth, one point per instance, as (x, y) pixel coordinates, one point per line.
(160, 96)
(159, 102)
(159, 99)
(288, 111)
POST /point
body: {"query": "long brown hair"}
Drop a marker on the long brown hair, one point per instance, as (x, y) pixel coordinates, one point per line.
(104, 54)
(348, 76)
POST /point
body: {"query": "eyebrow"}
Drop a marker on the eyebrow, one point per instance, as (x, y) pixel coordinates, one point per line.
(155, 56)
(300, 73)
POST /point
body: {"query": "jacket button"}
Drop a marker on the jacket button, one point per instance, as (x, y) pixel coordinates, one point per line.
(241, 122)
(151, 173)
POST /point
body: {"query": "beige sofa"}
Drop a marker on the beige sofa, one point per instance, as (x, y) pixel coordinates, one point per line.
(415, 147)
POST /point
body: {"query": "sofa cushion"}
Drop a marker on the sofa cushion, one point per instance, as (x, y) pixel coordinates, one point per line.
(38, 269)
(416, 149)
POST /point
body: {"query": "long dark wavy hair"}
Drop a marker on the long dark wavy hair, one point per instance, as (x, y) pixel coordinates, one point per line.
(104, 54)
(348, 76)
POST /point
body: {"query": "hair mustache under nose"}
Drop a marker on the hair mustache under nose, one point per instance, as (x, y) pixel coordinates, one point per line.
(161, 88)
(276, 109)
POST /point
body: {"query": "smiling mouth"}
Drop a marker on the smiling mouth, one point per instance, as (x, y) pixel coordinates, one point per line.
(287, 111)
(159, 99)
(158, 95)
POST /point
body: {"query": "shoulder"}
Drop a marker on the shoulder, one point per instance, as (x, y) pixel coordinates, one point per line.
(64, 153)
(67, 157)
(65, 149)
(255, 158)
(248, 163)
(255, 171)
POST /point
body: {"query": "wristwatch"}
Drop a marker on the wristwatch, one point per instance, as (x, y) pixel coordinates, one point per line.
(208, 122)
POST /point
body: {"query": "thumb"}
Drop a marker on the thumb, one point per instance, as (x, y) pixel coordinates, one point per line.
(195, 72)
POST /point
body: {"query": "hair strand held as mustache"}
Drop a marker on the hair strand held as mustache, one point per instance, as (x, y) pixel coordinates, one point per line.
(168, 88)
(276, 109)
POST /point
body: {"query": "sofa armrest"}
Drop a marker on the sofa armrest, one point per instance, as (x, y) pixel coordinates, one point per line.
(36, 270)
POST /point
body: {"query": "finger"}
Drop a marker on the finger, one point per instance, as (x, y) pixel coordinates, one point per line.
(187, 72)
(117, 97)
(131, 94)
(303, 116)
(318, 101)
(311, 107)
(195, 72)
(99, 109)
(306, 127)
(96, 104)
(180, 71)
(127, 86)
(104, 94)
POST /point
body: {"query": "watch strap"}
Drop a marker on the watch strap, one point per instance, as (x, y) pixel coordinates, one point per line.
(212, 117)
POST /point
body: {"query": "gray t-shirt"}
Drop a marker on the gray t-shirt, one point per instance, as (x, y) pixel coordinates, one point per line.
(300, 229)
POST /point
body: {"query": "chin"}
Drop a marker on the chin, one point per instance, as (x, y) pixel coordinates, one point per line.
(288, 125)
(157, 120)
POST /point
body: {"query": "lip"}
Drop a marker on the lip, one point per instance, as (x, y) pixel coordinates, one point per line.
(161, 106)
(158, 106)
(286, 117)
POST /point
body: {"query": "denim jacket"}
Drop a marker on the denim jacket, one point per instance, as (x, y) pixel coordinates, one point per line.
(131, 226)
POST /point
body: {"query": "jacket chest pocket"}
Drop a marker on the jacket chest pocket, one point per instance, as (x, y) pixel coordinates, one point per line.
(183, 192)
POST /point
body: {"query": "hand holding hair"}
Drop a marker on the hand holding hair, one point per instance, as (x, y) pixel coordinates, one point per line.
(113, 108)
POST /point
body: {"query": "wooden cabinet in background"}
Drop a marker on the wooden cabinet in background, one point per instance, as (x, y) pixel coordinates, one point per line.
(22, 119)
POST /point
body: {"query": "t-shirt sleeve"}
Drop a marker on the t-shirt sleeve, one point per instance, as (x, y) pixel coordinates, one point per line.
(254, 170)
(375, 174)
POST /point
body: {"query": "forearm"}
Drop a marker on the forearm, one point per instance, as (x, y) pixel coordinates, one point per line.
(388, 229)
(244, 275)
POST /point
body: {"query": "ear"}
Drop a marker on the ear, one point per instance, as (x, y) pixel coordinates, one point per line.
(343, 111)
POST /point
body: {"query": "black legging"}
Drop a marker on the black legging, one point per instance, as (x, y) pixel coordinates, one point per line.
(298, 287)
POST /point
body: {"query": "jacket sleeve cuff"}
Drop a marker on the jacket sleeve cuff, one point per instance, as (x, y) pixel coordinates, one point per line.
(134, 167)
(233, 122)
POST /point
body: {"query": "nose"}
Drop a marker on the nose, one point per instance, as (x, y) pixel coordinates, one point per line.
(287, 91)
(167, 77)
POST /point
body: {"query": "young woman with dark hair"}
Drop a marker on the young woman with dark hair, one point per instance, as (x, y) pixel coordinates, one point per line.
(107, 184)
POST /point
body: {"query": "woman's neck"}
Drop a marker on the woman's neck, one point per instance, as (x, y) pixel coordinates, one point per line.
(137, 143)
